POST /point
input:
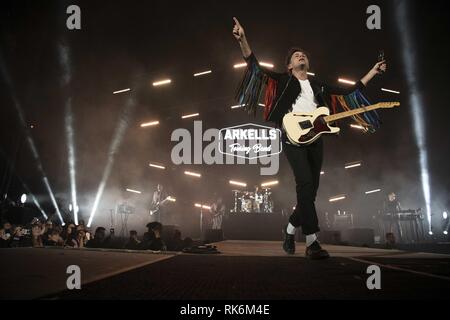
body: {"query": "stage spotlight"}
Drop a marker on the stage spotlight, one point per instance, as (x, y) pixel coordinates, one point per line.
(446, 232)
(346, 81)
(237, 183)
(65, 63)
(373, 191)
(444, 215)
(190, 116)
(337, 198)
(352, 165)
(322, 173)
(430, 233)
(148, 124)
(240, 65)
(357, 126)
(71, 153)
(70, 207)
(202, 206)
(23, 198)
(133, 191)
(202, 73)
(121, 91)
(157, 166)
(193, 174)
(36, 203)
(21, 114)
(162, 82)
(409, 50)
(114, 147)
(391, 91)
(267, 65)
(269, 183)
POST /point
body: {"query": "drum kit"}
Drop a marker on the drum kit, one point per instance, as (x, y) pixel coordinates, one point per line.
(253, 202)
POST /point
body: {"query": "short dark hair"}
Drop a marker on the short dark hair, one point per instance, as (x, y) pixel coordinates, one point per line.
(154, 225)
(133, 233)
(100, 229)
(291, 53)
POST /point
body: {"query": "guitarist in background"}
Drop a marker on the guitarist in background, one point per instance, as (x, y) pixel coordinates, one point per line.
(287, 92)
(158, 199)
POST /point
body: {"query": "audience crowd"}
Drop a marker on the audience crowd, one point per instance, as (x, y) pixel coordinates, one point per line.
(48, 234)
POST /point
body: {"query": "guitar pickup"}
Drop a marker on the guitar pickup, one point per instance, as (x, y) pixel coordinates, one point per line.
(304, 125)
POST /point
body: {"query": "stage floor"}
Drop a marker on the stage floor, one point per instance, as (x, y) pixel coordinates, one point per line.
(250, 270)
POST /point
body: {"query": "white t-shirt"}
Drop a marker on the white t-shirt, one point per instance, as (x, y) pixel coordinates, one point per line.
(306, 101)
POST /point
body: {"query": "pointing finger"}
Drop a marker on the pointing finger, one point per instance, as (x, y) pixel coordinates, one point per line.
(237, 22)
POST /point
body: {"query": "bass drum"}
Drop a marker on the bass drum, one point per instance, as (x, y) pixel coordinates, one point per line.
(246, 205)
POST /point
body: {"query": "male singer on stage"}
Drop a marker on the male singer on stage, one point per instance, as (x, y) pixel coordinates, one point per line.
(294, 91)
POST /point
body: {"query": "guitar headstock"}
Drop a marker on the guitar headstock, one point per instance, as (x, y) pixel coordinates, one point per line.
(388, 105)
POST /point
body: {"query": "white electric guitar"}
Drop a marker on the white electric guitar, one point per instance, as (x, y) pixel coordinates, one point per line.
(305, 128)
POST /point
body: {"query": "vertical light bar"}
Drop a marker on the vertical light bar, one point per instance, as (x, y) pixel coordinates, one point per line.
(64, 61)
(113, 150)
(415, 97)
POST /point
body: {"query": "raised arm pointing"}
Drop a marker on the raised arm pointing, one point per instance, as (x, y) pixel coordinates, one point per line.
(239, 34)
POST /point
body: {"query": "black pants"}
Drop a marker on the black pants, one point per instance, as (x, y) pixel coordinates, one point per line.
(306, 163)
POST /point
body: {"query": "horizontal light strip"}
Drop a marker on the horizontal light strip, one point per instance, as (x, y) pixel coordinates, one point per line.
(202, 73)
(198, 175)
(133, 191)
(190, 115)
(346, 81)
(391, 91)
(337, 198)
(148, 124)
(353, 165)
(162, 82)
(156, 166)
(267, 65)
(270, 183)
(121, 91)
(171, 199)
(311, 74)
(238, 106)
(202, 206)
(237, 183)
(357, 126)
(240, 65)
(322, 172)
(373, 191)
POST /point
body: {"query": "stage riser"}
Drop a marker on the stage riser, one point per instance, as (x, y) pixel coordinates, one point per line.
(249, 226)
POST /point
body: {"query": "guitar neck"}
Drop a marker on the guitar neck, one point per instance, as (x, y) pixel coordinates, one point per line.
(350, 113)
